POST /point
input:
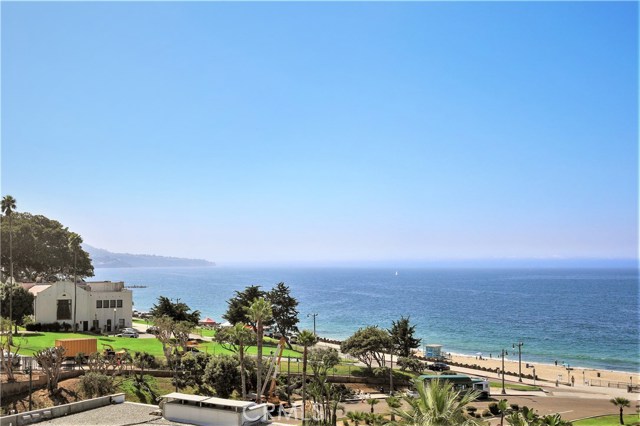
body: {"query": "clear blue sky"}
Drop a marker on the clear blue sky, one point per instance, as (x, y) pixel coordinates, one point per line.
(322, 132)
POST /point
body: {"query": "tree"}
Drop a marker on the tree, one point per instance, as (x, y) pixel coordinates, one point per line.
(283, 305)
(50, 360)
(192, 368)
(503, 406)
(393, 402)
(74, 246)
(239, 336)
(165, 327)
(402, 338)
(8, 359)
(95, 384)
(367, 345)
(22, 303)
(437, 404)
(259, 312)
(238, 305)
(356, 417)
(222, 375)
(8, 206)
(178, 311)
(40, 250)
(372, 402)
(622, 403)
(306, 338)
(327, 395)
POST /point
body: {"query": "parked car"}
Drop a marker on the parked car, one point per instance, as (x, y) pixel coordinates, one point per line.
(133, 334)
(439, 366)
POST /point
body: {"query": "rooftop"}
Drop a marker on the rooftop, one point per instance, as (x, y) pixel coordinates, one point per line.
(127, 413)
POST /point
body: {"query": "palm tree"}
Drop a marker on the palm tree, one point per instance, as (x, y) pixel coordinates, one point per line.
(437, 404)
(621, 402)
(74, 246)
(372, 402)
(393, 402)
(306, 338)
(8, 206)
(503, 406)
(241, 336)
(259, 312)
(356, 417)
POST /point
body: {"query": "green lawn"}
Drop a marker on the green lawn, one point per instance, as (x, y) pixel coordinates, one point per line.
(30, 343)
(514, 386)
(612, 420)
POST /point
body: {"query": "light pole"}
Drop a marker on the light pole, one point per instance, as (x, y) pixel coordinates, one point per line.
(114, 321)
(520, 345)
(503, 353)
(314, 322)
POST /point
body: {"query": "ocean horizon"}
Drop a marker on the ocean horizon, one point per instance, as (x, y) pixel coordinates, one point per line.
(584, 317)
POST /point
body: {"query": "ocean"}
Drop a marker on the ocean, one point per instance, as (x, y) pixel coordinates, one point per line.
(583, 317)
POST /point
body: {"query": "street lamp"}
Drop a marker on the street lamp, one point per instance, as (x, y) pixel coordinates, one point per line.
(520, 345)
(114, 320)
(314, 322)
(503, 353)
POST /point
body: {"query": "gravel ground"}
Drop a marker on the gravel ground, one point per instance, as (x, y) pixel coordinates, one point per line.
(125, 414)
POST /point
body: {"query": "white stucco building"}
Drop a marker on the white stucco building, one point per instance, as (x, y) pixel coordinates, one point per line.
(103, 306)
(211, 411)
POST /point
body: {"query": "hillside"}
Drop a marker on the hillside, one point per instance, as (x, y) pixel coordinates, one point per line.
(105, 259)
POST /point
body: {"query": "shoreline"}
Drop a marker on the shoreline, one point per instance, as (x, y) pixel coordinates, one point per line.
(549, 372)
(544, 371)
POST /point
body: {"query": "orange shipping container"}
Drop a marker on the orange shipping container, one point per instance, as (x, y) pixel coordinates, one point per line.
(75, 346)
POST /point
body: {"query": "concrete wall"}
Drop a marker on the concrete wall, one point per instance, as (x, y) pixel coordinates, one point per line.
(37, 382)
(60, 410)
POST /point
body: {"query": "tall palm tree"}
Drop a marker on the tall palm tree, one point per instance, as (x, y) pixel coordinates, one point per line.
(8, 206)
(306, 338)
(74, 246)
(437, 404)
(241, 336)
(620, 402)
(259, 312)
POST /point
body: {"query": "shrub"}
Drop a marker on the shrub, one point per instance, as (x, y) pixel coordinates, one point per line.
(514, 407)
(471, 409)
(486, 413)
(96, 384)
(493, 408)
(66, 327)
(411, 364)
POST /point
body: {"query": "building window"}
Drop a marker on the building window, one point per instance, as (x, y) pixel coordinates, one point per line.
(98, 303)
(119, 303)
(105, 303)
(64, 309)
(113, 303)
(121, 323)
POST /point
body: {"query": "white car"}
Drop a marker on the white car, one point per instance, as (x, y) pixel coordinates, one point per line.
(131, 334)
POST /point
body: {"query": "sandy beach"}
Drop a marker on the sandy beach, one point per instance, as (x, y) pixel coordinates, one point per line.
(551, 372)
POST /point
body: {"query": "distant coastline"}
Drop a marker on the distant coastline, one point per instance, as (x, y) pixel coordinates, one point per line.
(105, 259)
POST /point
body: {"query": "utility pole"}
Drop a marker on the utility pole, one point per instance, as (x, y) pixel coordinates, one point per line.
(504, 392)
(314, 322)
(520, 345)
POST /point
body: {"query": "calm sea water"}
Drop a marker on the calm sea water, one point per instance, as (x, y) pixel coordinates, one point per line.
(586, 318)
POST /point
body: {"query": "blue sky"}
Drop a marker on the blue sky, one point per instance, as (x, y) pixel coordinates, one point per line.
(327, 132)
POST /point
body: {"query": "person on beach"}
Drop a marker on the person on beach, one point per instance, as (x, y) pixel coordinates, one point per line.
(573, 381)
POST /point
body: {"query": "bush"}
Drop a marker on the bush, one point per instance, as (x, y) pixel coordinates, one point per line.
(381, 372)
(471, 409)
(411, 364)
(96, 384)
(493, 408)
(66, 327)
(514, 407)
(486, 413)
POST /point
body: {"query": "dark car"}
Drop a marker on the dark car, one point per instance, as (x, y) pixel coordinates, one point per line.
(439, 366)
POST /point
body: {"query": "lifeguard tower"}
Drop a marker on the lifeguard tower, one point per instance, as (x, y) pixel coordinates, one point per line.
(433, 351)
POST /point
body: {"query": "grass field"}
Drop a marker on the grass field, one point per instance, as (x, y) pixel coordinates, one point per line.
(514, 386)
(30, 343)
(612, 420)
